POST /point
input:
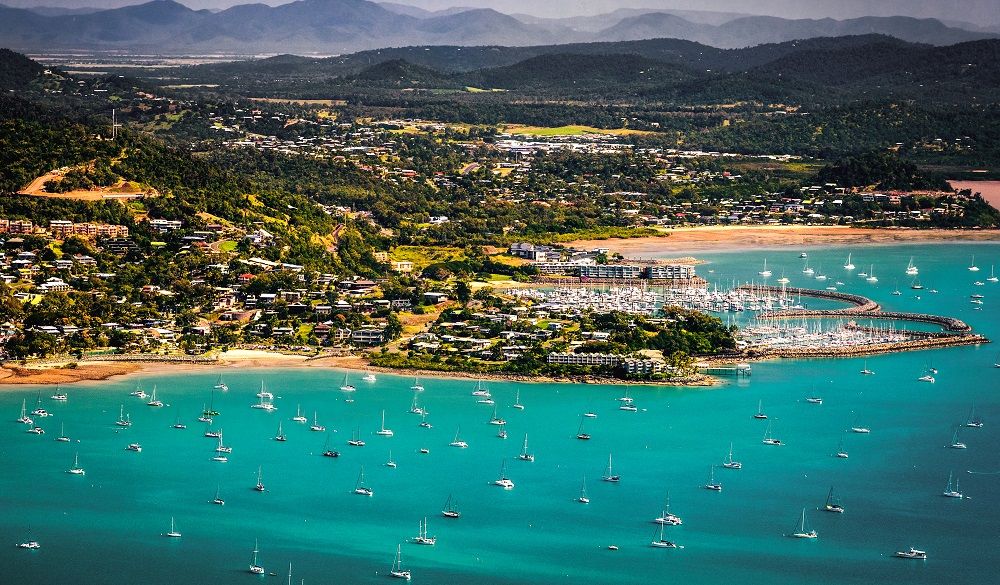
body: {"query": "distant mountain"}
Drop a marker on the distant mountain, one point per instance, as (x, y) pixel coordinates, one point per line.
(16, 70)
(60, 10)
(564, 70)
(347, 26)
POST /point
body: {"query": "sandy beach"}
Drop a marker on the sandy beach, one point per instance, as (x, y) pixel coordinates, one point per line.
(688, 240)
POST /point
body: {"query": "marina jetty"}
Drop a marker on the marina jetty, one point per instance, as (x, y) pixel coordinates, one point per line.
(954, 331)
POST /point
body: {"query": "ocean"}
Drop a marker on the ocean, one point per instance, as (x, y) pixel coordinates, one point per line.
(107, 526)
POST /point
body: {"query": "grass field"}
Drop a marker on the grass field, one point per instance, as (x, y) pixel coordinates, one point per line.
(572, 130)
(424, 256)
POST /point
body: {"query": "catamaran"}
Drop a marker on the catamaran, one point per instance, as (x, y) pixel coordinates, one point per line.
(450, 509)
(712, 484)
(36, 430)
(59, 395)
(517, 400)
(832, 505)
(458, 442)
(316, 427)
(76, 469)
(299, 417)
(583, 499)
(422, 538)
(768, 439)
(138, 392)
(731, 463)
(760, 411)
(973, 267)
(397, 567)
(911, 268)
(280, 437)
(384, 431)
(848, 265)
(360, 488)
(173, 530)
(153, 401)
(220, 385)
(609, 475)
(951, 490)
(801, 531)
(666, 517)
(504, 481)
(39, 411)
(808, 270)
(260, 484)
(525, 456)
(255, 569)
(369, 378)
(765, 272)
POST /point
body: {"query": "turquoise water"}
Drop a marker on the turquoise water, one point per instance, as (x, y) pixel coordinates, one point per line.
(106, 527)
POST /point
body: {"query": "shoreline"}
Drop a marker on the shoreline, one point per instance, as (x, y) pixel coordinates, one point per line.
(689, 240)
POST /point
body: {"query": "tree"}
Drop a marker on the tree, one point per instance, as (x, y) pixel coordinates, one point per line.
(393, 328)
(463, 292)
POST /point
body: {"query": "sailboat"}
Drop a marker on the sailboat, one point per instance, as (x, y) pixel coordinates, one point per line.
(832, 505)
(123, 419)
(62, 438)
(24, 418)
(768, 439)
(423, 421)
(712, 484)
(280, 437)
(316, 427)
(730, 463)
(951, 490)
(327, 451)
(583, 499)
(416, 408)
(39, 411)
(346, 386)
(220, 385)
(255, 568)
(138, 392)
(760, 411)
(384, 431)
(581, 434)
(360, 488)
(177, 422)
(801, 531)
(369, 378)
(217, 500)
(502, 432)
(860, 429)
(517, 400)
(153, 401)
(355, 440)
(525, 456)
(173, 530)
(666, 517)
(784, 279)
(397, 566)
(220, 458)
(458, 442)
(871, 275)
(662, 542)
(808, 270)
(76, 469)
(926, 378)
(504, 481)
(895, 291)
(765, 272)
(260, 484)
(993, 276)
(609, 475)
(417, 387)
(865, 371)
(222, 448)
(210, 410)
(299, 418)
(390, 462)
(974, 421)
(422, 538)
(913, 553)
(59, 395)
(450, 509)
(841, 452)
(973, 267)
(494, 419)
(848, 265)
(911, 269)
(265, 397)
(955, 443)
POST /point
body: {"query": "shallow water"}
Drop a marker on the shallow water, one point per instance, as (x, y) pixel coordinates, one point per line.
(106, 527)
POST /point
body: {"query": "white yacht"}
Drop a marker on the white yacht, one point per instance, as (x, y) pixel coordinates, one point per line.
(760, 411)
(974, 421)
(417, 387)
(62, 438)
(784, 279)
(951, 490)
(609, 475)
(153, 401)
(264, 403)
(25, 419)
(765, 272)
(29, 544)
(60, 396)
(832, 504)
(450, 509)
(217, 500)
(801, 531)
(397, 570)
(926, 378)
(384, 431)
(173, 530)
(662, 542)
(299, 417)
(503, 481)
(220, 448)
(525, 456)
(731, 463)
(495, 420)
(713, 485)
(369, 378)
(255, 568)
(76, 469)
(993, 277)
(390, 462)
(423, 421)
(955, 443)
(138, 393)
(481, 390)
(973, 267)
(355, 441)
(260, 483)
(768, 439)
(316, 427)
(502, 431)
(583, 499)
(581, 433)
(517, 400)
(911, 269)
(346, 386)
(814, 400)
(666, 517)
(871, 275)
(134, 447)
(415, 408)
(360, 488)
(458, 442)
(220, 385)
(422, 538)
(848, 265)
(36, 430)
(913, 553)
(280, 436)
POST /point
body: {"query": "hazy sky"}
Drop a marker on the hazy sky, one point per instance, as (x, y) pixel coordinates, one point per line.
(977, 11)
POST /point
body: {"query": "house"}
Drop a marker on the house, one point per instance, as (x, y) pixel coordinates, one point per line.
(434, 298)
(402, 266)
(367, 336)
